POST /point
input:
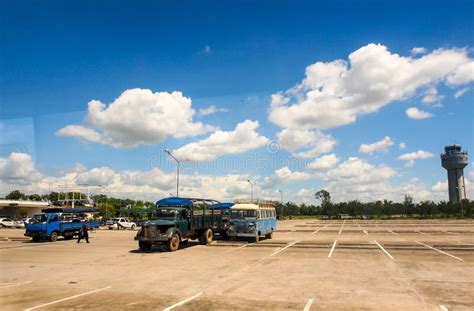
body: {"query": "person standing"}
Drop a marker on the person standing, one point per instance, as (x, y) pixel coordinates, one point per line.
(83, 234)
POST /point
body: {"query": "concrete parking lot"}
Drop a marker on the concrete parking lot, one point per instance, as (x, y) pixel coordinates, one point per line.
(308, 265)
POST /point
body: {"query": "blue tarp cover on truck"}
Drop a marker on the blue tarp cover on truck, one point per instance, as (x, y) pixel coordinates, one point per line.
(223, 205)
(173, 201)
(69, 210)
(185, 202)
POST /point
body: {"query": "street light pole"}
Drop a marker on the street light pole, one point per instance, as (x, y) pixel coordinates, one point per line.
(177, 170)
(251, 190)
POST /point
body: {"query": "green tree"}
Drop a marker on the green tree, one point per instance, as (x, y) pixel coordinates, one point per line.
(15, 195)
(324, 196)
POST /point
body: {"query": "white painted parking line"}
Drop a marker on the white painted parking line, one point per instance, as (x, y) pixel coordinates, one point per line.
(440, 251)
(383, 249)
(314, 232)
(423, 233)
(465, 243)
(308, 304)
(68, 298)
(17, 284)
(365, 231)
(453, 233)
(443, 308)
(282, 249)
(332, 248)
(233, 250)
(340, 232)
(182, 302)
(392, 232)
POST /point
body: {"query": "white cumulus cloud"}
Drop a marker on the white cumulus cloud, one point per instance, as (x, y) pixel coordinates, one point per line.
(323, 163)
(305, 143)
(411, 157)
(461, 92)
(138, 117)
(211, 110)
(379, 146)
(284, 176)
(18, 168)
(336, 93)
(96, 176)
(417, 114)
(432, 97)
(242, 139)
(402, 146)
(418, 50)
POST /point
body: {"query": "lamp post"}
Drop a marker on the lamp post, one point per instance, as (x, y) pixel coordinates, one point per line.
(251, 190)
(281, 203)
(177, 170)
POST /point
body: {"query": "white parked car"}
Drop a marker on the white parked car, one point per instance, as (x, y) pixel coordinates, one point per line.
(7, 222)
(22, 222)
(120, 223)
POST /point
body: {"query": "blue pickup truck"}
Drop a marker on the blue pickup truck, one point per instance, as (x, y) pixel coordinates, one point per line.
(55, 222)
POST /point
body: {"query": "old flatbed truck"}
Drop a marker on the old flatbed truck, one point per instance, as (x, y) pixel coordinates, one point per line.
(55, 222)
(177, 220)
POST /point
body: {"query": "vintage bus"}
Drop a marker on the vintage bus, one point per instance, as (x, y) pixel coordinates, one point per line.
(252, 221)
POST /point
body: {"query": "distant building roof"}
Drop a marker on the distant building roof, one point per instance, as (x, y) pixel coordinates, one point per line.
(21, 203)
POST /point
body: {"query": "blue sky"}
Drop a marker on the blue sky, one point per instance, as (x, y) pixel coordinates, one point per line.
(57, 56)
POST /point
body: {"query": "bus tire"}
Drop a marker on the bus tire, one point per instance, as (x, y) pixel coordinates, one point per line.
(206, 237)
(173, 243)
(144, 246)
(53, 237)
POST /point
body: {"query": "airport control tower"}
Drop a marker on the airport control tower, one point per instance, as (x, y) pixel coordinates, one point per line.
(454, 160)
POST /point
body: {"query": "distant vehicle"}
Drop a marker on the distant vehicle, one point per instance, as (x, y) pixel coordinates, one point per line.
(120, 223)
(7, 222)
(55, 222)
(325, 217)
(252, 221)
(21, 223)
(176, 220)
(345, 216)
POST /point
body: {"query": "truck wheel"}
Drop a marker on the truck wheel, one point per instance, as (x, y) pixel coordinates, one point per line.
(36, 239)
(206, 237)
(144, 246)
(133, 227)
(53, 237)
(173, 243)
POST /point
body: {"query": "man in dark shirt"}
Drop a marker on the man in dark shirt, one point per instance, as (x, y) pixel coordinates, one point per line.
(83, 234)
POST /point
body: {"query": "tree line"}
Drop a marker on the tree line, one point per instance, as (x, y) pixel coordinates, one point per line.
(121, 207)
(377, 209)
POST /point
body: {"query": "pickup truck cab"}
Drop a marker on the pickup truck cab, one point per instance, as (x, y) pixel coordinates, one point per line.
(176, 220)
(56, 222)
(120, 223)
